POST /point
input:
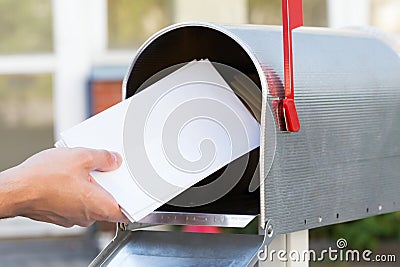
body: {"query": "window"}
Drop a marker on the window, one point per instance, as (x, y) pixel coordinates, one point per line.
(26, 117)
(25, 28)
(26, 103)
(270, 12)
(130, 23)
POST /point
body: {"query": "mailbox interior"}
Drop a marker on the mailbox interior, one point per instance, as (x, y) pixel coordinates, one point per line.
(181, 45)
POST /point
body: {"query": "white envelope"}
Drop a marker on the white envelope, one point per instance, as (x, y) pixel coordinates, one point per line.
(171, 135)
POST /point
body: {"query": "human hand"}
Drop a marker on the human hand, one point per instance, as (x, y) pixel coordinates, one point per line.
(55, 186)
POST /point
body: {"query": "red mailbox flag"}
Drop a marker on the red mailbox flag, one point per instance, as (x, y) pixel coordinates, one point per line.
(292, 18)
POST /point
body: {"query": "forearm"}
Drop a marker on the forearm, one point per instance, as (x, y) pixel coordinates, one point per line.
(13, 197)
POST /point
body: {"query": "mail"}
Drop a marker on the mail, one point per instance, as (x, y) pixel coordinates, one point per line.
(171, 135)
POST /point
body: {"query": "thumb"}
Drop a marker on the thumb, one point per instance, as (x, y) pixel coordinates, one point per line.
(103, 160)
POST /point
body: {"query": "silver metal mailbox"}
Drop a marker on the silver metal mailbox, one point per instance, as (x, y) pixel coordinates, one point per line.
(343, 165)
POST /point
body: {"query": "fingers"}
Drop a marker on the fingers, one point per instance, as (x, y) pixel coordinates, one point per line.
(117, 216)
(105, 207)
(100, 160)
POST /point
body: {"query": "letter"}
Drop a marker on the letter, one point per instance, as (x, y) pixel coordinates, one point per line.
(307, 255)
(331, 257)
(366, 255)
(321, 258)
(262, 255)
(352, 253)
(294, 256)
(282, 255)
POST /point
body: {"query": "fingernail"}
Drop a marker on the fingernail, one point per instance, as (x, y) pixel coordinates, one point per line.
(116, 156)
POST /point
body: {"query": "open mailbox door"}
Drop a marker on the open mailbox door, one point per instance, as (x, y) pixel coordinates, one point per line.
(342, 165)
(151, 248)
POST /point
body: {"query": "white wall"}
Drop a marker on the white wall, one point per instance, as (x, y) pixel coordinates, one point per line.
(344, 13)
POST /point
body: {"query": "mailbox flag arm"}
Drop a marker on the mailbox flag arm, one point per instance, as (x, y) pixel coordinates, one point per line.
(292, 18)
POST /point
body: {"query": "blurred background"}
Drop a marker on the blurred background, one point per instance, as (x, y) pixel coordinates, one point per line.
(63, 61)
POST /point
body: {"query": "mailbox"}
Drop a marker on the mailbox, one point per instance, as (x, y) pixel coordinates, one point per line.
(343, 164)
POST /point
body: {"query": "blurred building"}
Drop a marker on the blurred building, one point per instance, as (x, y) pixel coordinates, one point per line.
(51, 49)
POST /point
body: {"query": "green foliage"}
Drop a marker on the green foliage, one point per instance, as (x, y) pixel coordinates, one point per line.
(363, 234)
(25, 26)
